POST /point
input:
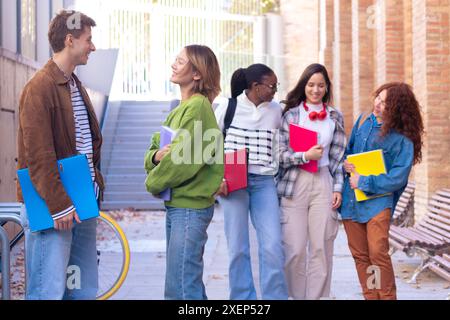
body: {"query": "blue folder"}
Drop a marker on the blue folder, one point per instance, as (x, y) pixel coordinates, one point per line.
(166, 136)
(77, 181)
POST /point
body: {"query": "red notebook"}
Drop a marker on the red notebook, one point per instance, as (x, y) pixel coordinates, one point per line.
(236, 170)
(302, 140)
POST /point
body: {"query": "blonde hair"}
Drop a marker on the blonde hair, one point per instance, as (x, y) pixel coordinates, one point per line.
(204, 61)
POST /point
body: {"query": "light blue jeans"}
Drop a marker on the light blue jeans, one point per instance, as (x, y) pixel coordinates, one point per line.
(186, 238)
(61, 264)
(261, 199)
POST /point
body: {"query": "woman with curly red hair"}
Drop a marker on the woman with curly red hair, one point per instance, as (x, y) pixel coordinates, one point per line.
(395, 126)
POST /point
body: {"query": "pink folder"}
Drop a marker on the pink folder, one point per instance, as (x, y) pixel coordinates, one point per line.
(236, 170)
(301, 140)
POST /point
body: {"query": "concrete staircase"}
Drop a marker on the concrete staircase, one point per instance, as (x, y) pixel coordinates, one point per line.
(127, 131)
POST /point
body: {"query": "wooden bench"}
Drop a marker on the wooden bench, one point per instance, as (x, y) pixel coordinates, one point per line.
(429, 238)
(441, 266)
(404, 211)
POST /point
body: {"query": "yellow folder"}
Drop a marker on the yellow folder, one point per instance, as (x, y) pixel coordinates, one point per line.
(366, 164)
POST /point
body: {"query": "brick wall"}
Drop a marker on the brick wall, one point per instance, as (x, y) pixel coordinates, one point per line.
(363, 29)
(301, 37)
(327, 38)
(389, 41)
(343, 65)
(432, 85)
(410, 42)
(420, 86)
(407, 41)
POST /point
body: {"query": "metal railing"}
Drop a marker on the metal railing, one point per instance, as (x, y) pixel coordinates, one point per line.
(9, 212)
(6, 292)
(150, 33)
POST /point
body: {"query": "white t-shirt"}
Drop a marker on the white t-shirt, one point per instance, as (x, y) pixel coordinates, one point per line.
(256, 128)
(324, 128)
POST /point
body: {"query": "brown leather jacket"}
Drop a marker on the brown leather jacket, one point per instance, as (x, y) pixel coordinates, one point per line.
(47, 134)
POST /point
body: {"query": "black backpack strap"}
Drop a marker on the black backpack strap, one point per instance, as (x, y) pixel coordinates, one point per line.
(229, 115)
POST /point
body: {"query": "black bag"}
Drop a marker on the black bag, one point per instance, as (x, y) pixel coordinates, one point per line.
(229, 115)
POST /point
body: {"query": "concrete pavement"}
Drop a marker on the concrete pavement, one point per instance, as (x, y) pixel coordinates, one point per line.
(146, 233)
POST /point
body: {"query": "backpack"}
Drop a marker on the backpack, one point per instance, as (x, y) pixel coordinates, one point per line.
(229, 115)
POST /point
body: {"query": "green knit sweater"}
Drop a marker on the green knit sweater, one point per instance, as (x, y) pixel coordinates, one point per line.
(193, 168)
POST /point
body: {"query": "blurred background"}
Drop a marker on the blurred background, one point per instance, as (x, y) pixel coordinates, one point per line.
(363, 43)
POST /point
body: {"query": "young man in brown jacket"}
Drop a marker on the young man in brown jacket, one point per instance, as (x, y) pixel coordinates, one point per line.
(56, 121)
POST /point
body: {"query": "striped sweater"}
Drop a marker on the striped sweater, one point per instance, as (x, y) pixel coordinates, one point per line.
(255, 128)
(83, 138)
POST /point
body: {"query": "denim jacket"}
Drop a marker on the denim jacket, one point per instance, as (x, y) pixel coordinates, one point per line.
(398, 152)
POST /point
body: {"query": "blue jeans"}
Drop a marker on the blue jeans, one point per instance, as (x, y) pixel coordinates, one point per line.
(261, 199)
(186, 238)
(61, 264)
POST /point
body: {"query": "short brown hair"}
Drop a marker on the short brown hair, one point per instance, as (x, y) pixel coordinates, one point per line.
(67, 22)
(204, 61)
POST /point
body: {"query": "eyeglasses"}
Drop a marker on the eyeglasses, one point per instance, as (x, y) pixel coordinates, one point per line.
(273, 87)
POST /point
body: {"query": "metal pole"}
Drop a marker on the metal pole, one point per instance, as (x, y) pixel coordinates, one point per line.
(11, 215)
(5, 265)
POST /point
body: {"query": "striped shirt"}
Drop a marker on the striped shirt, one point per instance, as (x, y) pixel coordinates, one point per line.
(262, 146)
(256, 128)
(83, 138)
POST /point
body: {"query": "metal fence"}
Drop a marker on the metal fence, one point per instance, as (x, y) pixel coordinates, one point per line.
(150, 33)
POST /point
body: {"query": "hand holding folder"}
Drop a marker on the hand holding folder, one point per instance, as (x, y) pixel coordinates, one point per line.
(236, 170)
(301, 140)
(76, 178)
(166, 135)
(366, 164)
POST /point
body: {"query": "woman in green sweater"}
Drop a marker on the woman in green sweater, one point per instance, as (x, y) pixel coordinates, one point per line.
(192, 167)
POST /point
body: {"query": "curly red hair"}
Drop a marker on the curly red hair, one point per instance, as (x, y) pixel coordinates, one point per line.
(402, 114)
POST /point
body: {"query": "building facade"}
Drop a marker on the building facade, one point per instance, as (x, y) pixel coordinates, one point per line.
(365, 43)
